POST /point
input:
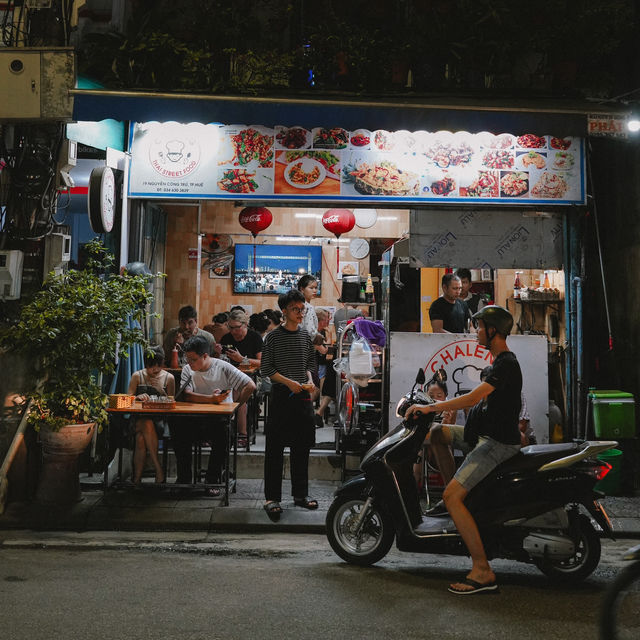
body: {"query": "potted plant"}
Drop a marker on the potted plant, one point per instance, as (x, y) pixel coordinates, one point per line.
(70, 332)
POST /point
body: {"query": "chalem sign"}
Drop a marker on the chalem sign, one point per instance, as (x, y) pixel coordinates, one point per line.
(335, 165)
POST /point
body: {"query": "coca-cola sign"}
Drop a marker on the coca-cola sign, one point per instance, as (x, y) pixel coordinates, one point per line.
(338, 221)
(255, 219)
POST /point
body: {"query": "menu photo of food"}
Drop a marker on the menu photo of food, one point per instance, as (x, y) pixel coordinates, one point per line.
(514, 184)
(562, 160)
(379, 175)
(440, 184)
(383, 140)
(498, 159)
(550, 186)
(334, 138)
(360, 139)
(450, 151)
(308, 172)
(499, 141)
(479, 184)
(293, 138)
(560, 143)
(531, 141)
(242, 146)
(245, 180)
(527, 160)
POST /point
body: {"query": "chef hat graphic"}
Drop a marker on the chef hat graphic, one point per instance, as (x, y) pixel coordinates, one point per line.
(174, 149)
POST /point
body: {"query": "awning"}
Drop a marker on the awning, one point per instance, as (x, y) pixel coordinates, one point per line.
(556, 117)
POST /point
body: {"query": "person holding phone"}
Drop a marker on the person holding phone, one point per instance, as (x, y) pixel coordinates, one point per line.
(206, 380)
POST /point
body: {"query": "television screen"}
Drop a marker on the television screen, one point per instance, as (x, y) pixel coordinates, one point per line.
(274, 268)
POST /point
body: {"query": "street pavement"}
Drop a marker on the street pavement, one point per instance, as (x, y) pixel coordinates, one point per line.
(161, 510)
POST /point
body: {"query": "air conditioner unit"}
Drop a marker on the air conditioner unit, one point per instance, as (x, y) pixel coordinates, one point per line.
(35, 83)
(11, 274)
(57, 252)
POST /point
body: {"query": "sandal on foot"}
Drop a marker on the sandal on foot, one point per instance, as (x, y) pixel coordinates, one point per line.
(477, 587)
(274, 510)
(306, 503)
(212, 492)
(242, 440)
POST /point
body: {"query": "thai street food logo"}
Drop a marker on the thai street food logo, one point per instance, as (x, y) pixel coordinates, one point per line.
(174, 157)
(463, 360)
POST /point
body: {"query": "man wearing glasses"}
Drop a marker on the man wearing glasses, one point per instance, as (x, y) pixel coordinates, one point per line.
(206, 380)
(288, 357)
(243, 346)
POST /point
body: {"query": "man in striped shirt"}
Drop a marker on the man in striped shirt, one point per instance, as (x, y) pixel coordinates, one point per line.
(288, 358)
(207, 380)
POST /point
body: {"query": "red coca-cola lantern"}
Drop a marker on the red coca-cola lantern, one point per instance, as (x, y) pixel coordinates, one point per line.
(255, 219)
(338, 221)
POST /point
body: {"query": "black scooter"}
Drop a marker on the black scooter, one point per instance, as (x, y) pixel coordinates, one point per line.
(532, 508)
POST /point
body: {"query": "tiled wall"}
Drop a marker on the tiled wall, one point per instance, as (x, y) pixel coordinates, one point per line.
(222, 217)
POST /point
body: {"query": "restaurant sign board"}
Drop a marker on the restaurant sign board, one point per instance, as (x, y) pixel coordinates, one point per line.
(335, 165)
(607, 126)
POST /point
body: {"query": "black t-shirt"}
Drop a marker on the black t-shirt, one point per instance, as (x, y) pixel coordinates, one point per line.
(250, 346)
(502, 408)
(454, 315)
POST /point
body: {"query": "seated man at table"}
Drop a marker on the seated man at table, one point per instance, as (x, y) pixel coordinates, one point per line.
(207, 380)
(187, 328)
(243, 346)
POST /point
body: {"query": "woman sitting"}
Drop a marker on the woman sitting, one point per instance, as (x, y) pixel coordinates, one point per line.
(150, 381)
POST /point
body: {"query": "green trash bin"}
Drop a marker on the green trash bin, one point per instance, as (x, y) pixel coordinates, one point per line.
(611, 483)
(614, 413)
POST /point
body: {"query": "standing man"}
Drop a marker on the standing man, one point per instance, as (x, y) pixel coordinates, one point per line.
(207, 380)
(499, 439)
(448, 314)
(243, 346)
(187, 328)
(288, 358)
(472, 300)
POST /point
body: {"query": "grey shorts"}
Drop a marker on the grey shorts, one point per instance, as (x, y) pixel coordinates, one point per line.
(482, 460)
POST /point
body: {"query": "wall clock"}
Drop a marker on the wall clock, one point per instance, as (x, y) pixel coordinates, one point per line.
(359, 248)
(102, 199)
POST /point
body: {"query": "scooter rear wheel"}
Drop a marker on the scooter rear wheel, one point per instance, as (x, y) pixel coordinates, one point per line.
(367, 545)
(582, 564)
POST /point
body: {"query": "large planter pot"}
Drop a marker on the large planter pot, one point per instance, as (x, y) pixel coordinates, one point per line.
(58, 483)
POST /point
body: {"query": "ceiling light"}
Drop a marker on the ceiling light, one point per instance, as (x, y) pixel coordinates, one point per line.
(633, 124)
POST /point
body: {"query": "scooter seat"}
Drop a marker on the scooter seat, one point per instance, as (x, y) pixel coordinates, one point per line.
(534, 449)
(535, 455)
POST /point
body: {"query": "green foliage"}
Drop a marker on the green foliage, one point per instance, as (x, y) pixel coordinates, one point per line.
(74, 327)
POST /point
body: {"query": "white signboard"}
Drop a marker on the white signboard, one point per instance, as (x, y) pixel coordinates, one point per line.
(291, 163)
(463, 359)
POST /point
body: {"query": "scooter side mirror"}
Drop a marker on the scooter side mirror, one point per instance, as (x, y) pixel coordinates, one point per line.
(420, 378)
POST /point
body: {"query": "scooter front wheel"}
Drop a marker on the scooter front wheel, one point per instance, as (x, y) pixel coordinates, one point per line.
(355, 540)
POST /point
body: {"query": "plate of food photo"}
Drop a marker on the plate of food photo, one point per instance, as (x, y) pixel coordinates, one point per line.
(304, 173)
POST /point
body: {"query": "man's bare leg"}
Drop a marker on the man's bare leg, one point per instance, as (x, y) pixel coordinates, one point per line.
(481, 571)
(440, 441)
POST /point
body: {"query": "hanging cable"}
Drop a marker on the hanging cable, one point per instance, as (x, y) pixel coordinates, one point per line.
(597, 225)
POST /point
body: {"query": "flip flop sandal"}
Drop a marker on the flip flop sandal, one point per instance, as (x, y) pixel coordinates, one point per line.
(306, 503)
(212, 492)
(477, 587)
(274, 510)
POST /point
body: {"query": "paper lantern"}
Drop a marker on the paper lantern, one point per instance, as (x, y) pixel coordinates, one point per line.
(338, 221)
(255, 219)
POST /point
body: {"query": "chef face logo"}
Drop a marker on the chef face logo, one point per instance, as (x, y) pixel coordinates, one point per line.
(174, 157)
(463, 360)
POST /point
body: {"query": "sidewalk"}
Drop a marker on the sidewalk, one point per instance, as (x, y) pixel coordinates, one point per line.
(160, 510)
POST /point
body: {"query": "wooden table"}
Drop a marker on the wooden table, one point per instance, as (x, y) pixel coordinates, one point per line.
(225, 409)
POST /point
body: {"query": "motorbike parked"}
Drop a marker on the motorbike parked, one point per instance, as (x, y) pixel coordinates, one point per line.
(531, 508)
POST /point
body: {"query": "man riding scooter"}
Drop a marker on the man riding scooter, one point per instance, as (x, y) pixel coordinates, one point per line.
(499, 438)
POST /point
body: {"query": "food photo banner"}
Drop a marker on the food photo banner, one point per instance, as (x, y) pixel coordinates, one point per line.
(333, 165)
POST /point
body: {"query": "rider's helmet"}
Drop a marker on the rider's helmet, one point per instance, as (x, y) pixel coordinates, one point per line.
(497, 317)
